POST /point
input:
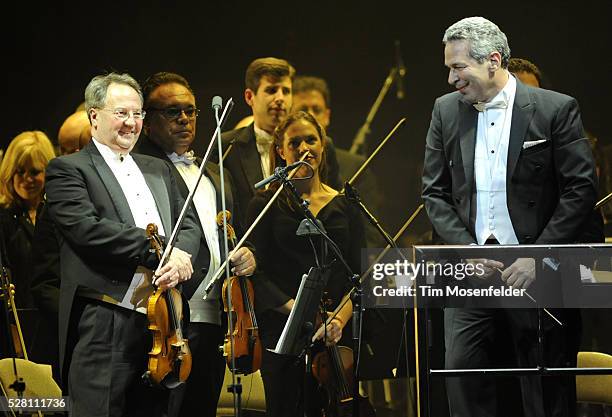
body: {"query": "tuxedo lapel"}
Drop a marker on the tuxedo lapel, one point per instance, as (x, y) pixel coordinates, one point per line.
(112, 185)
(147, 147)
(468, 120)
(180, 182)
(250, 160)
(158, 189)
(522, 113)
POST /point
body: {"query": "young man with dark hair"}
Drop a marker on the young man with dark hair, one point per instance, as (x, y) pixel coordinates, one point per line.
(269, 83)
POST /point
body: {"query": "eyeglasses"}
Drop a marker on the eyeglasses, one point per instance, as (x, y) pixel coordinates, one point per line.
(124, 114)
(172, 113)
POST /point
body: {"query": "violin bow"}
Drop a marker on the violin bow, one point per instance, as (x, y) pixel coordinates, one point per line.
(219, 272)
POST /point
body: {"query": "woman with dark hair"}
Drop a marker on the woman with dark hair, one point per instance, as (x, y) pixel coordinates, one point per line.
(283, 257)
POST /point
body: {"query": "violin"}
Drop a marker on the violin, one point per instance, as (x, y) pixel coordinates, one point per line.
(170, 357)
(7, 292)
(333, 369)
(247, 349)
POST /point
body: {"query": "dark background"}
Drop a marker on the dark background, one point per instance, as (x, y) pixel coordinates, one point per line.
(51, 52)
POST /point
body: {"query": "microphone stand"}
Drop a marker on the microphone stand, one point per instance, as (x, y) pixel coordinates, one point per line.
(303, 204)
(396, 73)
(352, 194)
(350, 294)
(359, 141)
(189, 199)
(236, 386)
(378, 258)
(353, 278)
(177, 227)
(219, 272)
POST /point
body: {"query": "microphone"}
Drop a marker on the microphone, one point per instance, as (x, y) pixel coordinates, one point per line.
(401, 71)
(277, 172)
(351, 193)
(217, 102)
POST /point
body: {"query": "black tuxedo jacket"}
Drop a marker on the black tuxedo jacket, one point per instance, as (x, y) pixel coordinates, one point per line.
(101, 247)
(202, 261)
(551, 187)
(244, 163)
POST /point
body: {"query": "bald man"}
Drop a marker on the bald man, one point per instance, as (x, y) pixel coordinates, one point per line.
(74, 133)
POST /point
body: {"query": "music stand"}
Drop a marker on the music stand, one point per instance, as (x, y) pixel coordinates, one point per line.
(546, 257)
(301, 322)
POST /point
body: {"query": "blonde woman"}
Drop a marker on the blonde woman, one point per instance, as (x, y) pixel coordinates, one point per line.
(22, 173)
(22, 184)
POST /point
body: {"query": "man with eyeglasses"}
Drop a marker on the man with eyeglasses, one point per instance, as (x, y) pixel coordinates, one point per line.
(101, 199)
(170, 130)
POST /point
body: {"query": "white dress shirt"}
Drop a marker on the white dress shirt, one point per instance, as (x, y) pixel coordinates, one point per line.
(205, 202)
(144, 211)
(490, 167)
(264, 144)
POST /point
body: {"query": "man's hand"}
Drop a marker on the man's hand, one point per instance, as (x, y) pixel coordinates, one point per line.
(332, 332)
(176, 270)
(11, 292)
(243, 262)
(286, 308)
(520, 274)
(489, 266)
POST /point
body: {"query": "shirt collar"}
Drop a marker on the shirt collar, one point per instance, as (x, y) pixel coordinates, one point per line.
(262, 136)
(186, 158)
(508, 91)
(503, 99)
(109, 154)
